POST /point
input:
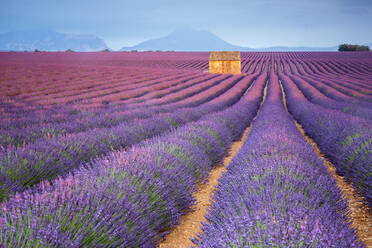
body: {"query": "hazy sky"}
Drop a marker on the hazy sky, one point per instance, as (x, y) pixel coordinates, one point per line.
(252, 23)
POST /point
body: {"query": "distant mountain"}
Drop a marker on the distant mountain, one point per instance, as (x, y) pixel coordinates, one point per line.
(47, 40)
(186, 39)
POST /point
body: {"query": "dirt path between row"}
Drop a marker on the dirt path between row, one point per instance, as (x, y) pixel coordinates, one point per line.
(190, 224)
(360, 213)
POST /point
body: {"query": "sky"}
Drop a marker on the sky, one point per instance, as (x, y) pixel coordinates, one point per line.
(250, 23)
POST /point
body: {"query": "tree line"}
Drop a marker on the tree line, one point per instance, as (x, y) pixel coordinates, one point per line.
(350, 47)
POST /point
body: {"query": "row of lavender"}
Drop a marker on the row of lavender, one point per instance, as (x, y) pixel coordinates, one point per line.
(68, 84)
(349, 84)
(331, 68)
(346, 140)
(353, 73)
(326, 96)
(346, 107)
(353, 76)
(343, 105)
(19, 117)
(46, 159)
(29, 127)
(339, 88)
(211, 152)
(129, 198)
(320, 66)
(276, 191)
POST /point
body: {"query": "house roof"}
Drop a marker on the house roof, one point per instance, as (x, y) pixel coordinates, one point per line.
(225, 55)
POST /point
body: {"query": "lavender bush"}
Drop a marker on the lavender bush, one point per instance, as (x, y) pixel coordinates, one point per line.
(142, 191)
(345, 140)
(276, 191)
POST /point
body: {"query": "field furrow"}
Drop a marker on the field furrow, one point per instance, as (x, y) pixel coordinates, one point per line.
(149, 149)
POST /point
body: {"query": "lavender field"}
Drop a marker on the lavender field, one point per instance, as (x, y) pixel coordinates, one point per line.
(107, 149)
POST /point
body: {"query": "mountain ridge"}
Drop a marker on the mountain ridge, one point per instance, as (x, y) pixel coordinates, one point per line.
(183, 39)
(49, 40)
(179, 40)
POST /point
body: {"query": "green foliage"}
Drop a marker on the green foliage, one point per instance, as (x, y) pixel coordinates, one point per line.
(350, 47)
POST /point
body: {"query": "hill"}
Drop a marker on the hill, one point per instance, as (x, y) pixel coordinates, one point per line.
(47, 40)
(187, 39)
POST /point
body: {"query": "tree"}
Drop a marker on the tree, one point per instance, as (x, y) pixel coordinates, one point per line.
(350, 47)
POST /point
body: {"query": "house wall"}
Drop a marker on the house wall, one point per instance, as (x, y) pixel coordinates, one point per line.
(225, 66)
